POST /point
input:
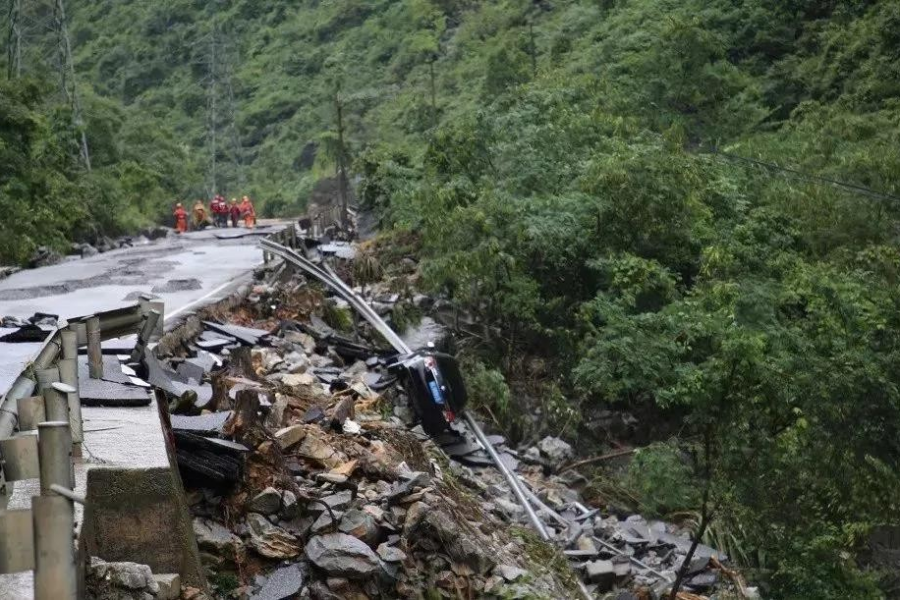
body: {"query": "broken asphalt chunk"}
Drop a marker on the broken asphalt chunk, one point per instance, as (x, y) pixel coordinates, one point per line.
(245, 335)
(211, 423)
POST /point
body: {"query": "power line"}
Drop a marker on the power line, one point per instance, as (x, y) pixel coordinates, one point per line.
(852, 187)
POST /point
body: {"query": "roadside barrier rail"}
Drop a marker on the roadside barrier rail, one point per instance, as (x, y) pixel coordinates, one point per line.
(41, 431)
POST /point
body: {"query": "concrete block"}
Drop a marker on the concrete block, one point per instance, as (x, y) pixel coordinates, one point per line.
(169, 586)
(140, 515)
(602, 573)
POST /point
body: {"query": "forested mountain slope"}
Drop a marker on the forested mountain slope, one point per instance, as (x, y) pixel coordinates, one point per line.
(573, 175)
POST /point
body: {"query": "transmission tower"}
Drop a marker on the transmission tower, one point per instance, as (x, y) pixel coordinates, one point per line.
(222, 135)
(38, 40)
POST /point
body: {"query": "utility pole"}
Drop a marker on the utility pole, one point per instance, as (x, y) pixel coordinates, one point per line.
(14, 40)
(341, 166)
(212, 92)
(230, 115)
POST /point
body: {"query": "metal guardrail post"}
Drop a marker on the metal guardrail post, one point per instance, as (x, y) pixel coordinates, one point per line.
(69, 339)
(144, 336)
(55, 455)
(150, 303)
(55, 574)
(95, 353)
(56, 402)
(16, 541)
(46, 377)
(20, 457)
(31, 412)
(68, 374)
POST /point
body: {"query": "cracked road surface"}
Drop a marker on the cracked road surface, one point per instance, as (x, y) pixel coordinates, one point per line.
(182, 270)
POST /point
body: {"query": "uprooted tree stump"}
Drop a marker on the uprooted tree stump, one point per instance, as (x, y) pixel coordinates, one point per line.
(241, 363)
(220, 398)
(244, 424)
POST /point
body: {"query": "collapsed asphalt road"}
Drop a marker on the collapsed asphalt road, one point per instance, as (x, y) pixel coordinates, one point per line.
(183, 271)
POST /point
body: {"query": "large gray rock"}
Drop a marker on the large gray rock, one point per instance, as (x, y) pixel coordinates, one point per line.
(270, 540)
(123, 575)
(342, 555)
(169, 586)
(281, 584)
(555, 449)
(391, 554)
(215, 538)
(44, 257)
(361, 525)
(267, 502)
(433, 528)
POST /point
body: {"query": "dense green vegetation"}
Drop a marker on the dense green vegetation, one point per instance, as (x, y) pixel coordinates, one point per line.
(555, 162)
(47, 196)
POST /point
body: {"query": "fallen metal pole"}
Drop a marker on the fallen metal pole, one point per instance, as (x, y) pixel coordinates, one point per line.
(511, 478)
(329, 278)
(333, 281)
(67, 493)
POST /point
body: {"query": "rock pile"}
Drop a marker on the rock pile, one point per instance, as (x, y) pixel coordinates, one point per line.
(129, 581)
(308, 477)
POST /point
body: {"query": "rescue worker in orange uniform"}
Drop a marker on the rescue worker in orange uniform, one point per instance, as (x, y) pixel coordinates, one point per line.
(181, 218)
(219, 210)
(199, 214)
(248, 212)
(235, 212)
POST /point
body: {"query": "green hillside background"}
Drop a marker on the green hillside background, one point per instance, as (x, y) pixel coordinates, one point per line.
(684, 209)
